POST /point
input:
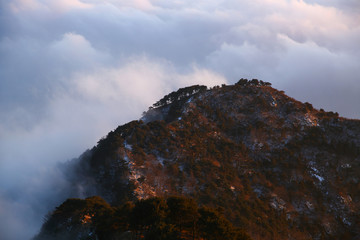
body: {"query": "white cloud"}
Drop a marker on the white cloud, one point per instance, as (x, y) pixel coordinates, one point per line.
(138, 82)
(74, 46)
(19, 6)
(326, 26)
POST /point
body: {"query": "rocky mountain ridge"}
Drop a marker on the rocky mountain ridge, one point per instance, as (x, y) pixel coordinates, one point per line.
(277, 168)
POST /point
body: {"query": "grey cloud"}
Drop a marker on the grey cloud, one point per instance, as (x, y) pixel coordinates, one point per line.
(348, 5)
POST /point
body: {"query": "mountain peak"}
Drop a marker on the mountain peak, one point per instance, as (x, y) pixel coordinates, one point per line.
(276, 166)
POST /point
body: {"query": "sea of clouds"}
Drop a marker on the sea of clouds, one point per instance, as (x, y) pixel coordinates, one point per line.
(71, 71)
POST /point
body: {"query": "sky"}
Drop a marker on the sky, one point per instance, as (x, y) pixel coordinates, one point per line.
(72, 70)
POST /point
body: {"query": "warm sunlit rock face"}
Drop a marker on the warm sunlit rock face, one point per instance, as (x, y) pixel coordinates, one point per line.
(278, 168)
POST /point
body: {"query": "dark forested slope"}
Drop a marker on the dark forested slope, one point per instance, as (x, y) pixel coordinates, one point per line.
(276, 168)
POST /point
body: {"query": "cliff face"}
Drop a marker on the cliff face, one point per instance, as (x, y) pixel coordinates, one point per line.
(277, 168)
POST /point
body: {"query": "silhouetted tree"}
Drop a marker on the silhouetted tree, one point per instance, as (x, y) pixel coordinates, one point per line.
(182, 212)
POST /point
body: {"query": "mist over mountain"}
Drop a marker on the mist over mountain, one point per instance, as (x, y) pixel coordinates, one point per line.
(260, 163)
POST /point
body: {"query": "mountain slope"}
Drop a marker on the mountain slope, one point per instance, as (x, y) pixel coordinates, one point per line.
(277, 168)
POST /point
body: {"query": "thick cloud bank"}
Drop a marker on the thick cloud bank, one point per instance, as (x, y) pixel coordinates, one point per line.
(71, 70)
